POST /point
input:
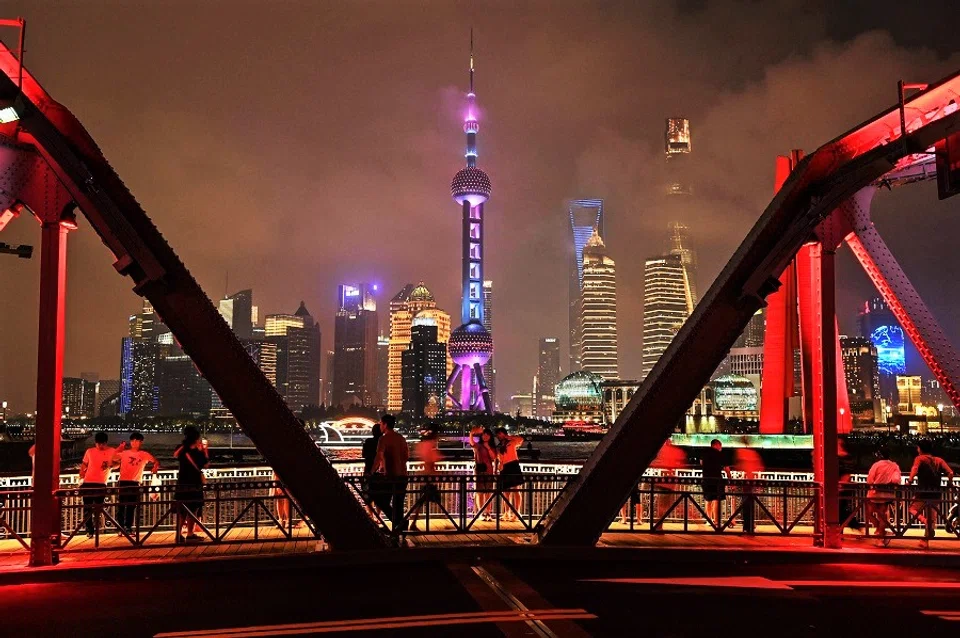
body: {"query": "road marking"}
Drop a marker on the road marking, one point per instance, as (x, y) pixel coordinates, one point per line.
(759, 582)
(733, 582)
(536, 625)
(950, 615)
(379, 624)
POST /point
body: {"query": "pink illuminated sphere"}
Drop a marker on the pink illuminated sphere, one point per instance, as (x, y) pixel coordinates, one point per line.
(471, 185)
(470, 344)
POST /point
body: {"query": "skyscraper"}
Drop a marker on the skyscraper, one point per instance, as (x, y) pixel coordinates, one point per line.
(72, 397)
(405, 305)
(297, 340)
(383, 368)
(489, 370)
(586, 215)
(752, 336)
(237, 311)
(679, 244)
(878, 324)
(355, 346)
(548, 375)
(598, 311)
(139, 391)
(471, 345)
(181, 388)
(677, 148)
(666, 305)
(860, 367)
(424, 369)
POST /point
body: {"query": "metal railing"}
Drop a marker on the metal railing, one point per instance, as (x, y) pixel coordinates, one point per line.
(904, 507)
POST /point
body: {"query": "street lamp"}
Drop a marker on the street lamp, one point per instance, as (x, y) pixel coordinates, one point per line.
(940, 416)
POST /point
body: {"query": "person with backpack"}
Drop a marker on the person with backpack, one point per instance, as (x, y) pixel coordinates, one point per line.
(928, 469)
(883, 479)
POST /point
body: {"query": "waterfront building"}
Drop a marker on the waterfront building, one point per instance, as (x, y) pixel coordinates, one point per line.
(424, 369)
(909, 393)
(667, 302)
(237, 311)
(598, 311)
(355, 346)
(878, 323)
(862, 373)
(616, 395)
(579, 399)
(489, 370)
(297, 341)
(405, 305)
(586, 216)
(548, 375)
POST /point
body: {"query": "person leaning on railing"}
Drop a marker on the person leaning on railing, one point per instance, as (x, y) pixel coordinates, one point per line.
(485, 458)
(94, 470)
(132, 462)
(928, 469)
(193, 457)
(882, 480)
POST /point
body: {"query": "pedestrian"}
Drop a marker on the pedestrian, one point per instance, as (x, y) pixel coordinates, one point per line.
(369, 483)
(669, 460)
(192, 456)
(429, 453)
(883, 479)
(485, 459)
(714, 485)
(281, 501)
(132, 462)
(391, 460)
(928, 469)
(94, 471)
(511, 474)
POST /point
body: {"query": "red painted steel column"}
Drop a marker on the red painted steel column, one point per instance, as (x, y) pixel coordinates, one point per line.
(45, 514)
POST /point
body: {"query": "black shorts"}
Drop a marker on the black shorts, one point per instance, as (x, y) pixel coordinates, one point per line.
(511, 476)
(714, 490)
(430, 493)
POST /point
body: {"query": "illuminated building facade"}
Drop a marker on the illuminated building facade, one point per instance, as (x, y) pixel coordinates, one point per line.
(735, 395)
(470, 345)
(548, 375)
(424, 370)
(140, 394)
(297, 341)
(862, 373)
(909, 393)
(489, 370)
(586, 216)
(616, 395)
(181, 390)
(383, 367)
(679, 245)
(879, 325)
(753, 334)
(579, 398)
(667, 302)
(237, 311)
(677, 149)
(355, 346)
(405, 305)
(598, 311)
(521, 405)
(72, 396)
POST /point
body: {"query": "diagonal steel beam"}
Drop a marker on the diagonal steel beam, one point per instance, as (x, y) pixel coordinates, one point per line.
(143, 254)
(820, 183)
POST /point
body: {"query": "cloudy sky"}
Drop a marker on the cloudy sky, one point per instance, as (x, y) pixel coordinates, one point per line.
(290, 146)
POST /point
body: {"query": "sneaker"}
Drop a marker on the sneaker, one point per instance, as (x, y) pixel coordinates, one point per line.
(194, 538)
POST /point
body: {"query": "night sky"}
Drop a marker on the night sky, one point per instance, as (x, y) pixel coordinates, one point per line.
(292, 146)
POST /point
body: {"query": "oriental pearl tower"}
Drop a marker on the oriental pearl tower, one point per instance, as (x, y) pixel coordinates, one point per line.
(470, 345)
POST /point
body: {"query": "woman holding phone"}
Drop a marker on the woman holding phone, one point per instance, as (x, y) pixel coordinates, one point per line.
(193, 457)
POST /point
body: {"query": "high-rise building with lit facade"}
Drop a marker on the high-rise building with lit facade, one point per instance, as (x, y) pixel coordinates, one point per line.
(909, 393)
(404, 307)
(548, 375)
(667, 302)
(108, 392)
(297, 340)
(72, 396)
(489, 370)
(140, 394)
(677, 146)
(878, 324)
(586, 215)
(355, 346)
(383, 368)
(862, 374)
(753, 335)
(679, 244)
(424, 370)
(237, 311)
(598, 311)
(181, 388)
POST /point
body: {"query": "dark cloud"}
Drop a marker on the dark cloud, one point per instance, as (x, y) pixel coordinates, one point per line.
(296, 145)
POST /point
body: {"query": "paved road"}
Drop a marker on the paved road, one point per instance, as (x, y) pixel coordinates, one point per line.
(515, 598)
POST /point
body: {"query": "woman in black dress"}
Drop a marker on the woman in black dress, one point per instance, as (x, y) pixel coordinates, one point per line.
(193, 457)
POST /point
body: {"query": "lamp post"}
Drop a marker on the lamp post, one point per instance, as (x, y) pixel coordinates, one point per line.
(940, 417)
(889, 417)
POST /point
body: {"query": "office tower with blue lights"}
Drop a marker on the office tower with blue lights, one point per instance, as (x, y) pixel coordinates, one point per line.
(355, 346)
(471, 345)
(586, 215)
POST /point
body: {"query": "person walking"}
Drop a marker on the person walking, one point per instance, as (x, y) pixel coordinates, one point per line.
(428, 451)
(749, 462)
(94, 471)
(714, 484)
(485, 459)
(511, 474)
(369, 485)
(391, 460)
(928, 469)
(132, 462)
(882, 481)
(192, 456)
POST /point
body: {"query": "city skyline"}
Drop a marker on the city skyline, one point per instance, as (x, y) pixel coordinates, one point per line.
(280, 239)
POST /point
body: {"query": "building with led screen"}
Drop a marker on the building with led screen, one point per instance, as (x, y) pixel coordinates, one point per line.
(879, 325)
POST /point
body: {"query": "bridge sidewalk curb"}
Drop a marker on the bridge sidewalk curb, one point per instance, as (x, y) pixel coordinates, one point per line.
(147, 569)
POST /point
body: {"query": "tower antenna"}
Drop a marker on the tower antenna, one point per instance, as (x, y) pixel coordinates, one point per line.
(471, 59)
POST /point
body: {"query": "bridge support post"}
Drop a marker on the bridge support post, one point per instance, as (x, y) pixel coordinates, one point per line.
(45, 517)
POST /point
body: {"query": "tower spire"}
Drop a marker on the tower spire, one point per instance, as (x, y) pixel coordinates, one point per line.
(471, 59)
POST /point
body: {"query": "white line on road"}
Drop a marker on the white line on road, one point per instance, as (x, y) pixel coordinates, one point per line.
(759, 582)
(379, 624)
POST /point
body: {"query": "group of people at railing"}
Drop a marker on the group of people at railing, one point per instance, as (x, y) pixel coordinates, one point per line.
(385, 480)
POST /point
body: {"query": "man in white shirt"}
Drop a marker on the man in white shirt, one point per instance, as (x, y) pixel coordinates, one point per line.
(132, 462)
(883, 479)
(94, 470)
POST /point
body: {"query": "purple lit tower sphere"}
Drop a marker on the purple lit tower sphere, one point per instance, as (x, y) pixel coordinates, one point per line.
(470, 345)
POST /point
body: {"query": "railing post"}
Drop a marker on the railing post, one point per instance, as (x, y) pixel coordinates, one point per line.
(216, 510)
(463, 501)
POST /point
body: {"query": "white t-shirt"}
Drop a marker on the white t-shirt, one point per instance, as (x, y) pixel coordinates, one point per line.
(132, 463)
(98, 464)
